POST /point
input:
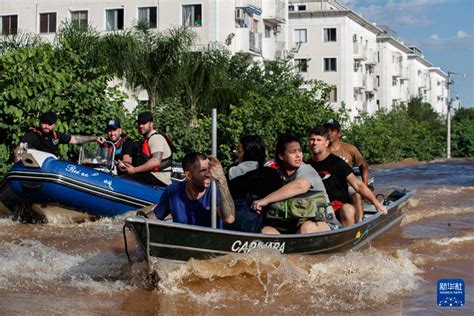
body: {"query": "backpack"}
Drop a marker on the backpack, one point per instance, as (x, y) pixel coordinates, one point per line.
(311, 204)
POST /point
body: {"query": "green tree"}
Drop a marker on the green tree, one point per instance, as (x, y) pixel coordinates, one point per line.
(146, 59)
(463, 133)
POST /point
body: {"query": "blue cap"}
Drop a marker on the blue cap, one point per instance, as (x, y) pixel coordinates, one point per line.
(113, 124)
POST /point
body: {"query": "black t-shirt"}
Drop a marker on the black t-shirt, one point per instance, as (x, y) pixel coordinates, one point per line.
(128, 148)
(48, 143)
(259, 183)
(334, 172)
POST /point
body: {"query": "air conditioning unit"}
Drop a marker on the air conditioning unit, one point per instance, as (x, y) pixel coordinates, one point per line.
(239, 14)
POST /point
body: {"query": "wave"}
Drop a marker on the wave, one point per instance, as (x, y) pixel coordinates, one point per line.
(422, 213)
(337, 282)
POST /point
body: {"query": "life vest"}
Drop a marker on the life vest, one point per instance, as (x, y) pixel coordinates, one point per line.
(47, 146)
(117, 147)
(144, 154)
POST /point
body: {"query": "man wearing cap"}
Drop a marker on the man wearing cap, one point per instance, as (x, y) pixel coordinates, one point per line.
(46, 138)
(153, 165)
(352, 156)
(123, 145)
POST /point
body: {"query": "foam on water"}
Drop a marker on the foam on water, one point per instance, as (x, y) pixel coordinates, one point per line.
(32, 265)
(338, 282)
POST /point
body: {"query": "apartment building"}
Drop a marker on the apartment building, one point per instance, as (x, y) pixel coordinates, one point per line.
(339, 47)
(391, 70)
(438, 93)
(256, 26)
(427, 82)
(368, 66)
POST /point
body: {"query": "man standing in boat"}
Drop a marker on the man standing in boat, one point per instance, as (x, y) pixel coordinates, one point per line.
(352, 156)
(336, 174)
(122, 144)
(153, 165)
(299, 178)
(189, 201)
(47, 139)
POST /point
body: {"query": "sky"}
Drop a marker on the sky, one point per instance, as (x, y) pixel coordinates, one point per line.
(442, 29)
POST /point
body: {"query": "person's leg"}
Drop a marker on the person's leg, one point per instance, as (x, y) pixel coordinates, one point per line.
(313, 227)
(269, 230)
(346, 215)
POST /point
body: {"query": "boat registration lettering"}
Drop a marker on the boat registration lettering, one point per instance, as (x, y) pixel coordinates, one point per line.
(244, 247)
(72, 169)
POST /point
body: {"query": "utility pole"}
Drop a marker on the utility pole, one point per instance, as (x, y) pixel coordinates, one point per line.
(448, 118)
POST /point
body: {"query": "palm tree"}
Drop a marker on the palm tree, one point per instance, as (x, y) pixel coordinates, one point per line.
(146, 59)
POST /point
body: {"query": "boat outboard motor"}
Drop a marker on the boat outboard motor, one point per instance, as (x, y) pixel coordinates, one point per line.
(34, 158)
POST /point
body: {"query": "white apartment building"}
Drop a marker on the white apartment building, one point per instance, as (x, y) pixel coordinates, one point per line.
(369, 68)
(420, 85)
(256, 25)
(438, 93)
(392, 70)
(339, 47)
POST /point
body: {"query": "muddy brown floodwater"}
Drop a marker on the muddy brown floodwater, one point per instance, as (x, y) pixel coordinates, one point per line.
(81, 269)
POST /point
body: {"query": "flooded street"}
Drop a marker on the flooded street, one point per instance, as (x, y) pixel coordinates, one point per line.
(82, 269)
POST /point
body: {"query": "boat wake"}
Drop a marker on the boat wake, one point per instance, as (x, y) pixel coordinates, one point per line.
(331, 283)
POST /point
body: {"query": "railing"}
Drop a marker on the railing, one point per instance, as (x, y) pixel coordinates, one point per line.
(360, 51)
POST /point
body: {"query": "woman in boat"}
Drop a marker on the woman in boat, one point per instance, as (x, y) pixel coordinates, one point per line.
(250, 180)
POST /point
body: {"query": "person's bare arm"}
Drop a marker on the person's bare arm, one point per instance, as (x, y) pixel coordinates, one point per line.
(151, 164)
(294, 188)
(363, 190)
(226, 210)
(364, 172)
(81, 139)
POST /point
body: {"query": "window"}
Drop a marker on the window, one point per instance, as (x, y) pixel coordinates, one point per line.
(8, 24)
(48, 22)
(148, 15)
(268, 31)
(114, 19)
(357, 66)
(330, 35)
(79, 18)
(378, 104)
(378, 81)
(301, 64)
(192, 15)
(394, 81)
(333, 95)
(291, 8)
(302, 7)
(300, 36)
(330, 64)
(378, 57)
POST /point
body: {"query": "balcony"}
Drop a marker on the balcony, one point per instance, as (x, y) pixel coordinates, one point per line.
(256, 4)
(247, 42)
(360, 51)
(273, 11)
(371, 58)
(370, 83)
(397, 70)
(360, 80)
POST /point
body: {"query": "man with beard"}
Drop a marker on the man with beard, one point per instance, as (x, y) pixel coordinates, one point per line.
(47, 139)
(189, 201)
(153, 163)
(336, 174)
(123, 145)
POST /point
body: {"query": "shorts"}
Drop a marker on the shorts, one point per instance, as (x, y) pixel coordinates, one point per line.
(336, 205)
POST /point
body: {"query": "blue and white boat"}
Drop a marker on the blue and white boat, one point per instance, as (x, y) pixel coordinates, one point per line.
(44, 185)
